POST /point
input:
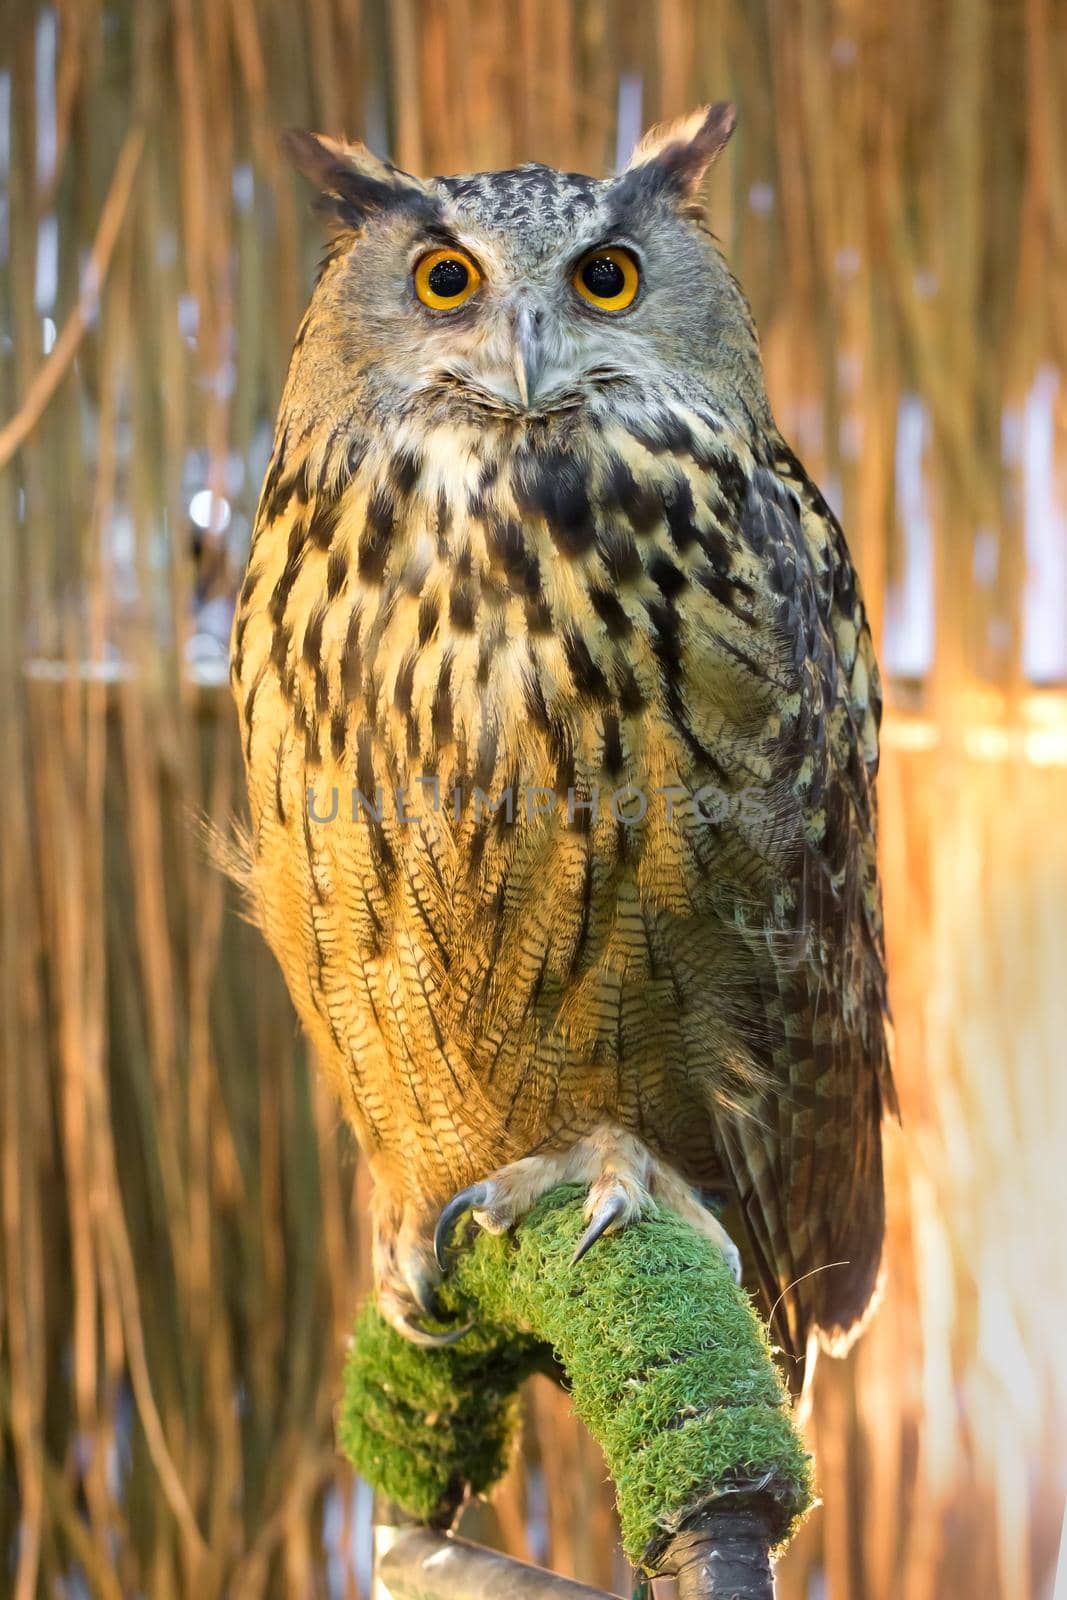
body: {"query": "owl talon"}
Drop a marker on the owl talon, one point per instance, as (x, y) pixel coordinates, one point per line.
(426, 1337)
(425, 1297)
(614, 1207)
(474, 1198)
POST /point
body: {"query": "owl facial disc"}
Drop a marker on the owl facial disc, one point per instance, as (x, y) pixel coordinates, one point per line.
(528, 297)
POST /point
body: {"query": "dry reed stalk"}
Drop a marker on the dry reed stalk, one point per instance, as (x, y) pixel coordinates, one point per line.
(51, 374)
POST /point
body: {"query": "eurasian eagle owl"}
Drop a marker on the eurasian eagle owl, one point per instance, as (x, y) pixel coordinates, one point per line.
(560, 715)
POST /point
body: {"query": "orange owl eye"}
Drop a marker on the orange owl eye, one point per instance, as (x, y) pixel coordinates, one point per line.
(608, 279)
(444, 279)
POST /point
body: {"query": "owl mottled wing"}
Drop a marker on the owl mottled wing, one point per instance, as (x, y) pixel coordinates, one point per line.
(806, 1166)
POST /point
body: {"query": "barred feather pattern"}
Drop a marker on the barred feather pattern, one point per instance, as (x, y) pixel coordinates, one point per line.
(638, 593)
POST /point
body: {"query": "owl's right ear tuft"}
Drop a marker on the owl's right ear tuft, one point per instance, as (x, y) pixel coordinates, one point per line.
(353, 182)
(676, 155)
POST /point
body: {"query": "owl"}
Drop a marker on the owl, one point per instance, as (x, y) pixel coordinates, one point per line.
(560, 719)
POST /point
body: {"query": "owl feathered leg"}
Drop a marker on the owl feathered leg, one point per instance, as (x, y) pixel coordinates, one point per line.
(624, 1178)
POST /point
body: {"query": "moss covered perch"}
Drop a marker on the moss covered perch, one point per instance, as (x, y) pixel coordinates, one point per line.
(668, 1364)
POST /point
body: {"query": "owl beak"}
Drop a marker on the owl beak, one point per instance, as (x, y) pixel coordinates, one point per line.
(528, 355)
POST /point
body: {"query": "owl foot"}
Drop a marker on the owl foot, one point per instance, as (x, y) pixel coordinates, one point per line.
(406, 1289)
(625, 1181)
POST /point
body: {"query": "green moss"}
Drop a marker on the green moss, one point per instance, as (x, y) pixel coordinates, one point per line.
(424, 1426)
(668, 1363)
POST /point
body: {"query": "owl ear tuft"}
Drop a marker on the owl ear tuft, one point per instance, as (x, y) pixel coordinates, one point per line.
(676, 155)
(352, 181)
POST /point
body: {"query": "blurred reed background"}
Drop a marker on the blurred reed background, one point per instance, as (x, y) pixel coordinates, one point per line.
(182, 1240)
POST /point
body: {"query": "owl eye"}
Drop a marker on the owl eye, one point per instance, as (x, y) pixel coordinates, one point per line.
(608, 279)
(444, 279)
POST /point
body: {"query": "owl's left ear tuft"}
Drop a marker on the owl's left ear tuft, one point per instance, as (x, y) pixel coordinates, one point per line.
(352, 181)
(676, 155)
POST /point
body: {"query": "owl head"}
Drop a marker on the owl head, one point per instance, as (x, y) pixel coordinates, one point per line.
(519, 296)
